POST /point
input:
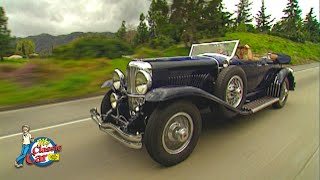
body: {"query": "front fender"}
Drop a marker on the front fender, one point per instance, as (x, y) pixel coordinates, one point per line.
(169, 93)
(286, 73)
(107, 84)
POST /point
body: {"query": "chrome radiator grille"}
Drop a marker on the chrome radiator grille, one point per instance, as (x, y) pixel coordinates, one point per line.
(131, 73)
(131, 89)
(132, 69)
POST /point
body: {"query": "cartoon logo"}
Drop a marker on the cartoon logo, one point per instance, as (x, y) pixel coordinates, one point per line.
(41, 151)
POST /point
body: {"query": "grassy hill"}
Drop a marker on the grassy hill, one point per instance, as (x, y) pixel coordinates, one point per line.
(259, 43)
(46, 80)
(262, 44)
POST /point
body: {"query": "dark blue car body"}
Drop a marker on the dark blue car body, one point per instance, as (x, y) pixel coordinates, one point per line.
(225, 84)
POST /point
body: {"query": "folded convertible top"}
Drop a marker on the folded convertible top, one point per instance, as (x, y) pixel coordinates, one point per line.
(283, 59)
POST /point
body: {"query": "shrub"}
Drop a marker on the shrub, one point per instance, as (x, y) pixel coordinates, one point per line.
(93, 47)
(161, 42)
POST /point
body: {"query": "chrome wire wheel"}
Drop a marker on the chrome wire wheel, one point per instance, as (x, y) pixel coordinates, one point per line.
(284, 93)
(234, 91)
(283, 96)
(177, 133)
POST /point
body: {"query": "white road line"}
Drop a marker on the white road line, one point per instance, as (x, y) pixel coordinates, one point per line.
(297, 72)
(48, 127)
(54, 104)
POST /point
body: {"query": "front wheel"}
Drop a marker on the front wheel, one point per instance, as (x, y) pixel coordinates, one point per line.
(105, 103)
(172, 132)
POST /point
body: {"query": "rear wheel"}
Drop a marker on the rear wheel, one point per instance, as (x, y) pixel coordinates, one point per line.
(231, 87)
(172, 132)
(284, 93)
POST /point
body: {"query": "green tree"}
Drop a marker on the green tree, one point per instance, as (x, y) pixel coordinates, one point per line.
(290, 25)
(194, 21)
(264, 23)
(226, 17)
(177, 19)
(311, 27)
(131, 34)
(158, 17)
(122, 31)
(216, 20)
(4, 35)
(243, 12)
(276, 28)
(142, 35)
(25, 47)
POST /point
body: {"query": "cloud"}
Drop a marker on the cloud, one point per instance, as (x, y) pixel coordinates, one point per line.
(32, 17)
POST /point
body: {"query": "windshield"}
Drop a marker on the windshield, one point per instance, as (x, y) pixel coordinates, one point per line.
(226, 48)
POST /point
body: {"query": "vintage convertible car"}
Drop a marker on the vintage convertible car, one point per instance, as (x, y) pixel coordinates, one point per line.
(158, 102)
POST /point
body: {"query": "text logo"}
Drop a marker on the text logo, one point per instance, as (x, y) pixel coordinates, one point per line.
(43, 152)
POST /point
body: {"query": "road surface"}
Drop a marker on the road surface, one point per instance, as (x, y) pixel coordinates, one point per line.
(272, 144)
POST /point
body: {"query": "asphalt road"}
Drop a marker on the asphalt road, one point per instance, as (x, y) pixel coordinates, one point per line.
(272, 144)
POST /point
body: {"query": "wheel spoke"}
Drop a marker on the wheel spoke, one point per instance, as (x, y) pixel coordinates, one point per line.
(234, 91)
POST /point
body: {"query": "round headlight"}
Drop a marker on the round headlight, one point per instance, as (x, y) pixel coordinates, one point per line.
(113, 100)
(118, 79)
(143, 82)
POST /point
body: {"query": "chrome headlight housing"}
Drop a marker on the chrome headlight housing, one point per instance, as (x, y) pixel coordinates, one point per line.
(118, 79)
(143, 82)
(114, 100)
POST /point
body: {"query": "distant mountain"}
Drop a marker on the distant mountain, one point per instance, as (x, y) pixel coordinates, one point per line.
(46, 42)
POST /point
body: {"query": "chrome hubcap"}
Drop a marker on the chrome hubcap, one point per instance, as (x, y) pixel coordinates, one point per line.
(234, 91)
(177, 133)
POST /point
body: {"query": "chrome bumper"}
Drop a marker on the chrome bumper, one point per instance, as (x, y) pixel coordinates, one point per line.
(129, 140)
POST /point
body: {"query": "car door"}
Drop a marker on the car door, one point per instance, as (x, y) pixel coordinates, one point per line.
(255, 71)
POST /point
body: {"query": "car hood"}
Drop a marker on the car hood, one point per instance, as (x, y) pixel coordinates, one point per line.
(173, 63)
(178, 58)
(183, 71)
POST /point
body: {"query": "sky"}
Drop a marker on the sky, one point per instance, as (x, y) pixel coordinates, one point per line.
(33, 17)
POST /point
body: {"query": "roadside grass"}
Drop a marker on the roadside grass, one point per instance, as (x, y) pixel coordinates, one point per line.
(176, 50)
(45, 80)
(13, 61)
(120, 63)
(53, 79)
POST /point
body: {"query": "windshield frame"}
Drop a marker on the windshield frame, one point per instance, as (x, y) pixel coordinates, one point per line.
(213, 43)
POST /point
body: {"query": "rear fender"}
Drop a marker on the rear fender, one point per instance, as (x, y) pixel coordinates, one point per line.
(286, 73)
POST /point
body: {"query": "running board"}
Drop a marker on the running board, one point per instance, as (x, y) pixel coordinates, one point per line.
(260, 104)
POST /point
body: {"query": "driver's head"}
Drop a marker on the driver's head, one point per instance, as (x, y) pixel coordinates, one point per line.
(245, 52)
(221, 50)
